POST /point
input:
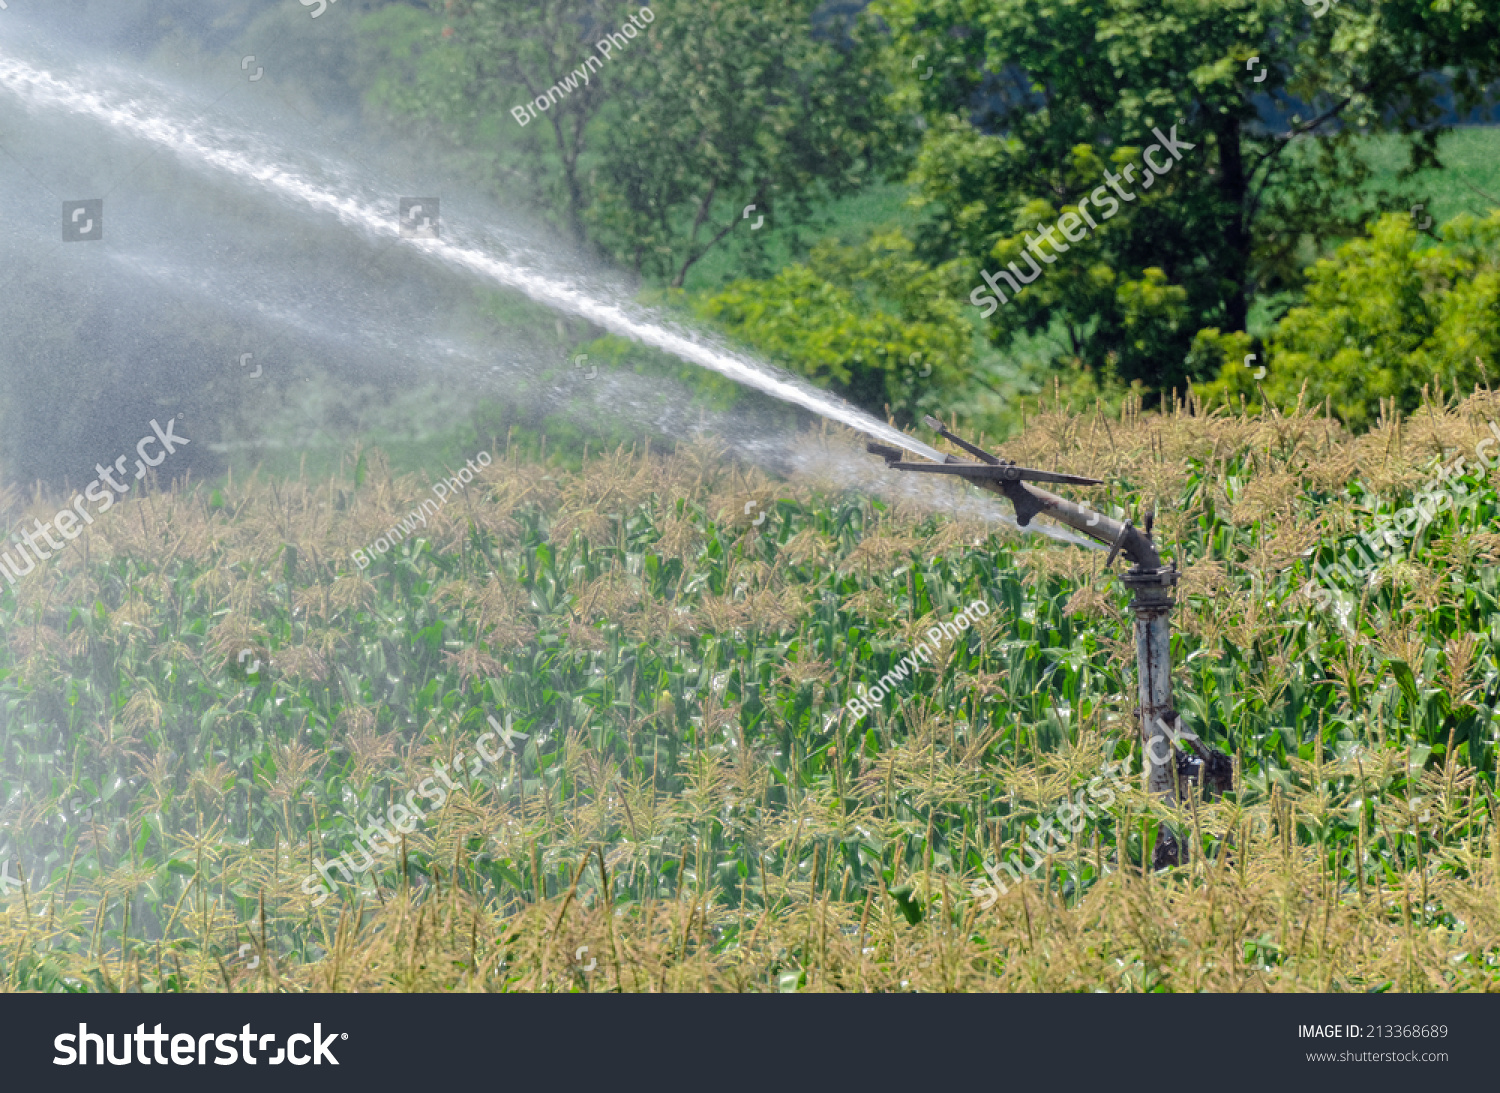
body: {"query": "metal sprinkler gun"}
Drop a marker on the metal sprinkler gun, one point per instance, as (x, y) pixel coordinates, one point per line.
(1170, 771)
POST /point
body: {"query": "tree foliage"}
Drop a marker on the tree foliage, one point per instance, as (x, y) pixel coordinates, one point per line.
(871, 322)
(735, 104)
(654, 158)
(1382, 318)
(481, 59)
(1033, 99)
(1031, 108)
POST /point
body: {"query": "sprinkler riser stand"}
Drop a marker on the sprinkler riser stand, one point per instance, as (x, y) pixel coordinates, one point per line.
(1150, 580)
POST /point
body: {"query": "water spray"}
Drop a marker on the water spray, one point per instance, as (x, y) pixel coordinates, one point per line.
(249, 160)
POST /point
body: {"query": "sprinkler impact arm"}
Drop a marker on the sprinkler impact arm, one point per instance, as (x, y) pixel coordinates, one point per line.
(1010, 481)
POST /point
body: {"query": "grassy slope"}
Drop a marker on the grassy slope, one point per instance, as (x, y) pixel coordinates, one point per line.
(1471, 162)
(675, 668)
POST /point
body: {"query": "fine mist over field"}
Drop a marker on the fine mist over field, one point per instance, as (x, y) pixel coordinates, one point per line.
(234, 242)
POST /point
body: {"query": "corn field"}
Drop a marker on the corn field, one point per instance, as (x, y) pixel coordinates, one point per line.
(204, 699)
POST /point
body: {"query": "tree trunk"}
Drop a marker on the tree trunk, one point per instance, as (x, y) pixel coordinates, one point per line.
(1233, 186)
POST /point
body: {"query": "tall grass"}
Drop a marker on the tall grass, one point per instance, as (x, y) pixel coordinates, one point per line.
(690, 810)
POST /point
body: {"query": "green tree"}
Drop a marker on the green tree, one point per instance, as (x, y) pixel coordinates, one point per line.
(727, 105)
(1032, 100)
(475, 66)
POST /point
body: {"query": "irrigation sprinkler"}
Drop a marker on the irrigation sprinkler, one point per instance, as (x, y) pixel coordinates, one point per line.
(1170, 770)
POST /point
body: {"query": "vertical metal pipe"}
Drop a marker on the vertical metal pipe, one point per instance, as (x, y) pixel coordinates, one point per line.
(1153, 635)
(1153, 653)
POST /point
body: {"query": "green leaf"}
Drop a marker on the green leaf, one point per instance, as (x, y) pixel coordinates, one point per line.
(910, 907)
(1402, 671)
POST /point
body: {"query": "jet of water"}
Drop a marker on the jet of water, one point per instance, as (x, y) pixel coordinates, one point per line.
(150, 117)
